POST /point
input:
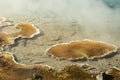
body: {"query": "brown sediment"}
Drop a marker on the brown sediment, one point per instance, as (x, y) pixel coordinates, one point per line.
(74, 72)
(80, 49)
(11, 70)
(5, 39)
(27, 30)
(112, 74)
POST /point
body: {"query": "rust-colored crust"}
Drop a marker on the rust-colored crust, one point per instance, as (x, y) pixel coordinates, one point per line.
(5, 39)
(11, 70)
(80, 49)
(113, 73)
(27, 31)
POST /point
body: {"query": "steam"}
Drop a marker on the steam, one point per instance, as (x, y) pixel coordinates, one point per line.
(92, 13)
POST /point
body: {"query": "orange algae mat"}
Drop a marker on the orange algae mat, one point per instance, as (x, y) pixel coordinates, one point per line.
(80, 49)
(11, 70)
(113, 74)
(27, 31)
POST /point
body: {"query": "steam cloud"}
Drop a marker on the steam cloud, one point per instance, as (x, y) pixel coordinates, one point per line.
(94, 13)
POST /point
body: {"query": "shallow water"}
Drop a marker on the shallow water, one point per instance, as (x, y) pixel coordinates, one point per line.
(61, 22)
